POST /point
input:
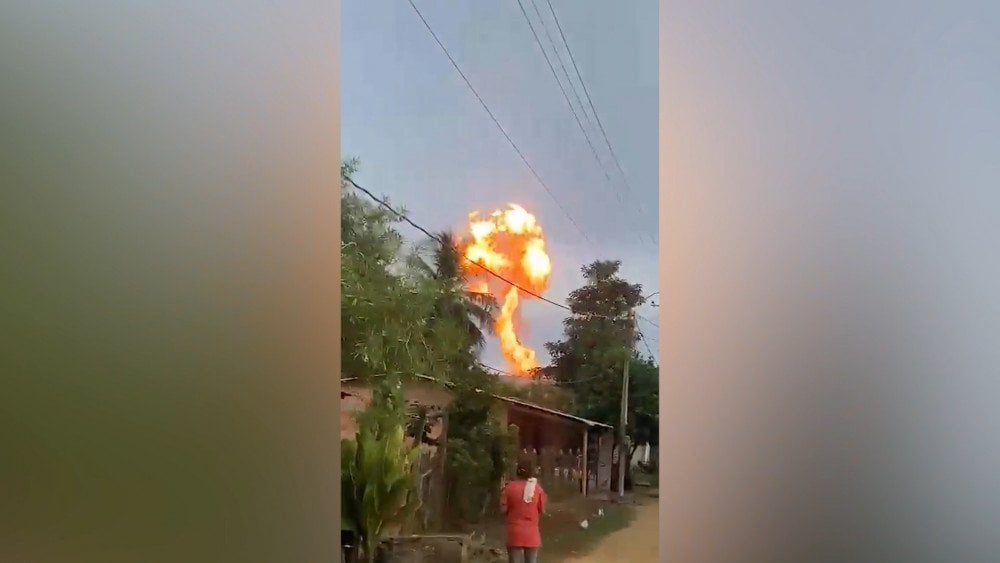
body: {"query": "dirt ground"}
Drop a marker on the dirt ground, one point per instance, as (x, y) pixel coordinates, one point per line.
(562, 535)
(637, 543)
(626, 532)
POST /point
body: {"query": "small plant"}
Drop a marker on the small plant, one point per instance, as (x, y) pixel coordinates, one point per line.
(378, 479)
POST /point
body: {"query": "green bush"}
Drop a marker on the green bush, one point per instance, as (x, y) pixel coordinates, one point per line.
(479, 455)
(378, 481)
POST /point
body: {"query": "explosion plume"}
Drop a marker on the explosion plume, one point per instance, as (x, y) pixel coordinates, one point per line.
(509, 242)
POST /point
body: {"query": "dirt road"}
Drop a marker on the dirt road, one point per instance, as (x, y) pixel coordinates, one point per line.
(637, 543)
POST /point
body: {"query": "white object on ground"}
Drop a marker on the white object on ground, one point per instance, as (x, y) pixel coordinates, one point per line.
(584, 524)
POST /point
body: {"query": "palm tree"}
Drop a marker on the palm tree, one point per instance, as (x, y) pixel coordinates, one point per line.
(474, 310)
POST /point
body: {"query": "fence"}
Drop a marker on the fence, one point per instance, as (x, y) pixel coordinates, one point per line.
(559, 471)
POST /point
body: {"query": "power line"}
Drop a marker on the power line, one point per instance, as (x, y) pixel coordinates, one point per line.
(583, 380)
(646, 342)
(648, 321)
(552, 69)
(497, 122)
(590, 101)
(556, 381)
(562, 65)
(569, 81)
(404, 218)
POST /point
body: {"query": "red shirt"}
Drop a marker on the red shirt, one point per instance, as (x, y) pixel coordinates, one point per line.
(522, 517)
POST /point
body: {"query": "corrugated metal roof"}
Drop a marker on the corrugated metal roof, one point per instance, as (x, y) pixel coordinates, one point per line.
(591, 423)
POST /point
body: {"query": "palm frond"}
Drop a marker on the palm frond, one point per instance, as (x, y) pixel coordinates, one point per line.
(481, 317)
(418, 264)
(486, 301)
(476, 335)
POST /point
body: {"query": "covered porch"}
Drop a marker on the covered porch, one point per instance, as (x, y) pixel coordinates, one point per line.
(572, 455)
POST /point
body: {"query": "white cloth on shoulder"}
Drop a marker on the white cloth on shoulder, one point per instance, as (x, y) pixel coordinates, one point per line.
(529, 490)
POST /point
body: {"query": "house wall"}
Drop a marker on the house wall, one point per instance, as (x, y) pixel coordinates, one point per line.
(538, 431)
(414, 392)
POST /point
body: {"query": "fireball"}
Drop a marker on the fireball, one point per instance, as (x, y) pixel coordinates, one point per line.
(510, 243)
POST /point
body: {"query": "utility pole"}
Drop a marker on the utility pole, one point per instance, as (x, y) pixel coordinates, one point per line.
(623, 422)
(622, 463)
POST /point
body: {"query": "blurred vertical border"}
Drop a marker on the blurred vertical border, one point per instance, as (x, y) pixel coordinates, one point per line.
(169, 287)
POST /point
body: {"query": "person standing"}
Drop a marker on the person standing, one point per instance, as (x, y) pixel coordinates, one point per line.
(523, 502)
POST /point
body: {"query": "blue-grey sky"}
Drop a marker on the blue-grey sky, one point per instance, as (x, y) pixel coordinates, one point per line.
(425, 141)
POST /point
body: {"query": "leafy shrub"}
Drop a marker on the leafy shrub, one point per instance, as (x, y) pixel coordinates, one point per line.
(378, 481)
(479, 454)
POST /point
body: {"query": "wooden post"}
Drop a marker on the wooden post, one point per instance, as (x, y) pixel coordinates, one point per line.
(584, 475)
(419, 443)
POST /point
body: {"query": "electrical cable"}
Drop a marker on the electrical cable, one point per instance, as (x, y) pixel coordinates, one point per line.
(590, 101)
(404, 218)
(497, 123)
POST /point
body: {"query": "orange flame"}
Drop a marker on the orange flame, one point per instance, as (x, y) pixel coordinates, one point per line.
(509, 242)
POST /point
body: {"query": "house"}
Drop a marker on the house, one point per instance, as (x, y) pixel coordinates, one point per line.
(561, 445)
(563, 442)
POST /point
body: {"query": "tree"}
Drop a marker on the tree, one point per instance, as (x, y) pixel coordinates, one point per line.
(644, 402)
(474, 310)
(386, 311)
(405, 317)
(599, 336)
